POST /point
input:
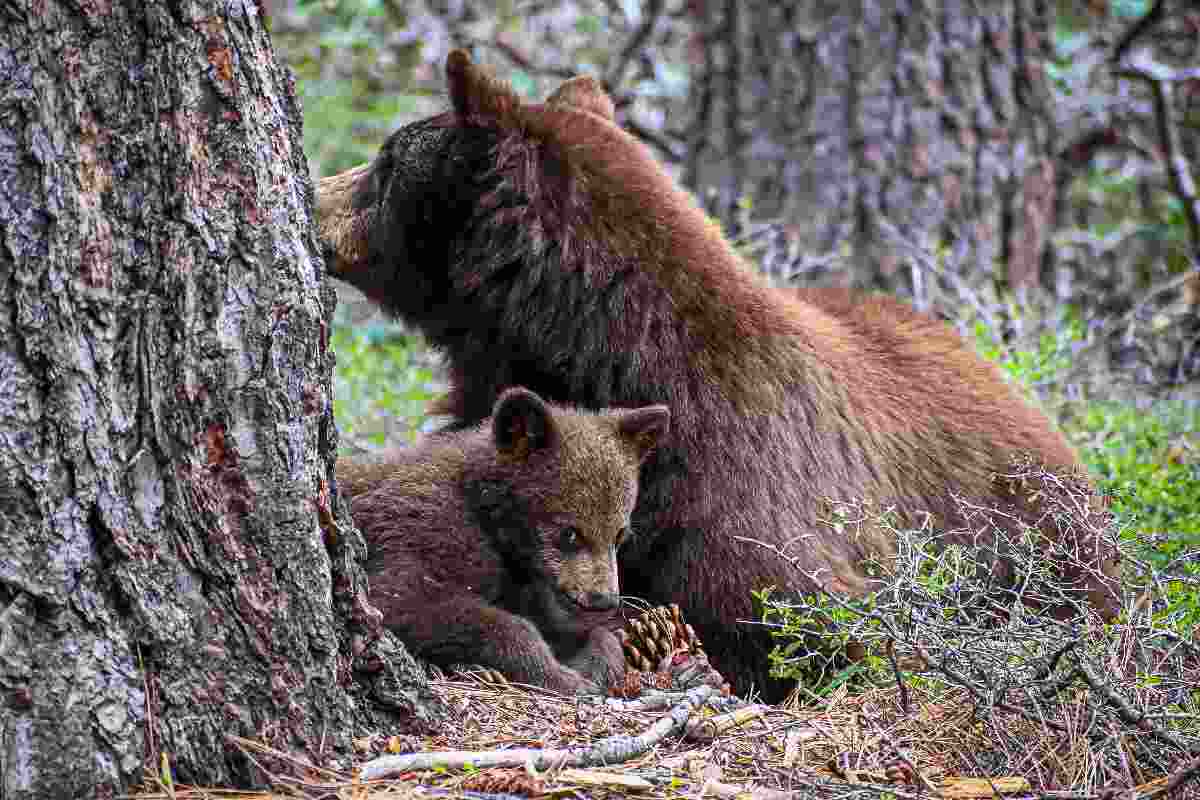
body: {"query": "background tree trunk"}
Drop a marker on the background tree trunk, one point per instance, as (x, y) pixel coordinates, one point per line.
(831, 118)
(165, 417)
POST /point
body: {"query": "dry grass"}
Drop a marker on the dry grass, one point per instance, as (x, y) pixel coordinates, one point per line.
(846, 747)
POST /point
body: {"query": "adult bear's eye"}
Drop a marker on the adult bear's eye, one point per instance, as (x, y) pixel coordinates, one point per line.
(569, 539)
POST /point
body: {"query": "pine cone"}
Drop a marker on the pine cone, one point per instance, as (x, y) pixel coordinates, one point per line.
(636, 681)
(503, 781)
(656, 635)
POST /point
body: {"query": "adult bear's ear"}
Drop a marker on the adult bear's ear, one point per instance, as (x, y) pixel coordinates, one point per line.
(586, 94)
(522, 424)
(644, 428)
(476, 93)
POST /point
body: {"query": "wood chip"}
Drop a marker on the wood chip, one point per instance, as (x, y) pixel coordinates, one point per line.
(601, 778)
(981, 787)
(705, 729)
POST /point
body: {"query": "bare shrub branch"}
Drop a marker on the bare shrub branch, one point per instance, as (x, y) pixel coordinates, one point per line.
(1064, 698)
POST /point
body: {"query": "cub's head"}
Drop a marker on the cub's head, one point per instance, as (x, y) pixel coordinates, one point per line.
(437, 227)
(558, 497)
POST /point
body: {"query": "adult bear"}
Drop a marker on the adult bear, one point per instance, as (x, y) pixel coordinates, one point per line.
(540, 245)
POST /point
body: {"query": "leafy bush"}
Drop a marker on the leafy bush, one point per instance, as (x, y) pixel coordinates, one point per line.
(354, 81)
(1149, 463)
(383, 383)
(1041, 361)
(816, 648)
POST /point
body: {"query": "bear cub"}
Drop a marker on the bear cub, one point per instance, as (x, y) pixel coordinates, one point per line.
(497, 545)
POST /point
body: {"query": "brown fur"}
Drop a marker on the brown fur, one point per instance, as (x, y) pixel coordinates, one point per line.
(497, 545)
(541, 245)
(583, 94)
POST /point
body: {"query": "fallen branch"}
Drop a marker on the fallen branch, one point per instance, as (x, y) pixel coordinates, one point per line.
(524, 61)
(1160, 83)
(705, 729)
(1178, 171)
(612, 750)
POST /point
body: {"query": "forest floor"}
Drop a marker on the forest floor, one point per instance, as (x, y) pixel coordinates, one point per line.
(853, 744)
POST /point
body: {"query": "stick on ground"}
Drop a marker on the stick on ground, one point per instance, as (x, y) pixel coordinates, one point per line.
(612, 750)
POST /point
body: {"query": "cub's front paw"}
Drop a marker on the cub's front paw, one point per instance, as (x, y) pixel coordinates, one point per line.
(601, 660)
(689, 670)
(568, 681)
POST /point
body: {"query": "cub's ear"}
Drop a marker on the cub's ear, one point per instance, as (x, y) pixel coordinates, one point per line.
(522, 424)
(644, 427)
(586, 94)
(476, 93)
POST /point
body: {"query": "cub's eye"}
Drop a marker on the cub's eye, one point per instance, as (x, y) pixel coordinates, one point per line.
(569, 539)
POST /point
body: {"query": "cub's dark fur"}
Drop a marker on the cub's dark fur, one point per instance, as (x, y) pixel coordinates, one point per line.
(541, 245)
(497, 545)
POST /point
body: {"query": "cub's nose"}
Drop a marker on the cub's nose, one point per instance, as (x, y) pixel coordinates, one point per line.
(601, 601)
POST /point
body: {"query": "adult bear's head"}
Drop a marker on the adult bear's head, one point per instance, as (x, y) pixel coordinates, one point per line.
(450, 216)
(513, 222)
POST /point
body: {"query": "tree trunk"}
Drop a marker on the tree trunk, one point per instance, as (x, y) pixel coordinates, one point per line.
(831, 118)
(165, 421)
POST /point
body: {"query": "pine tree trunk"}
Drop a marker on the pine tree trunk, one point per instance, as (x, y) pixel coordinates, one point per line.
(833, 117)
(165, 417)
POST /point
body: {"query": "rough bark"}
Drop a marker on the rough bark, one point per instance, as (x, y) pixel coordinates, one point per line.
(830, 117)
(165, 417)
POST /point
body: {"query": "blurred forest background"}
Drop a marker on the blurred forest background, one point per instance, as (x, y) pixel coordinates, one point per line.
(1023, 169)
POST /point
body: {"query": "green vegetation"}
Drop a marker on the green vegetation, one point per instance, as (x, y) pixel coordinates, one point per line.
(383, 382)
(352, 86)
(816, 647)
(1150, 463)
(1043, 361)
(1146, 458)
